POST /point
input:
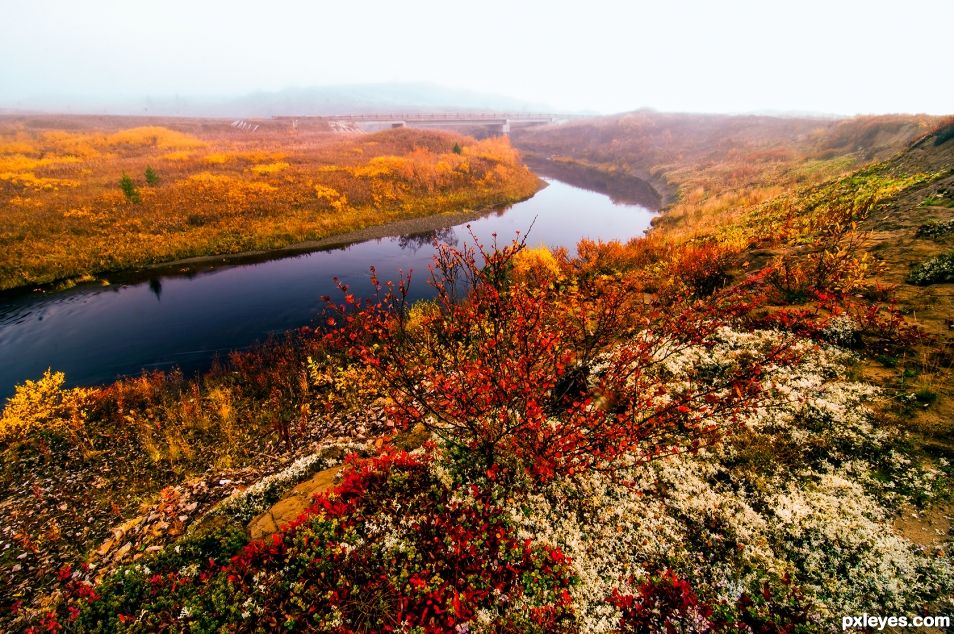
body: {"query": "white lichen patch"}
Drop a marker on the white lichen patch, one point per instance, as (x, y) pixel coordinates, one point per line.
(808, 488)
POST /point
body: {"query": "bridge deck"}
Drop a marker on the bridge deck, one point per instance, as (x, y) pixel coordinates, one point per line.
(436, 117)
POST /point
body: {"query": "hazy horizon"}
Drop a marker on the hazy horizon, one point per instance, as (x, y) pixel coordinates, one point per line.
(739, 57)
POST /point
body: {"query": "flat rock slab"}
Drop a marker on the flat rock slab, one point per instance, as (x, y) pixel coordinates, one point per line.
(292, 505)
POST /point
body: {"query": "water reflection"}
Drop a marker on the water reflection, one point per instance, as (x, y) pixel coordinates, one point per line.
(416, 241)
(622, 189)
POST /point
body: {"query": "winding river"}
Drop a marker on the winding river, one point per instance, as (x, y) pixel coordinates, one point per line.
(97, 333)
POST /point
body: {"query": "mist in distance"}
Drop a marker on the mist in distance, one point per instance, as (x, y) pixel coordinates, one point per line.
(255, 59)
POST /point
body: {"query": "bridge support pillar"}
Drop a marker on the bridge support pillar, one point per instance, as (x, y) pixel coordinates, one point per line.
(505, 127)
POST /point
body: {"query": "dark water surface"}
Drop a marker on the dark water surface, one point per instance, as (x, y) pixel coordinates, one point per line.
(95, 334)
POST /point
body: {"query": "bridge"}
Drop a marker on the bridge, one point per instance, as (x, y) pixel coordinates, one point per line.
(500, 122)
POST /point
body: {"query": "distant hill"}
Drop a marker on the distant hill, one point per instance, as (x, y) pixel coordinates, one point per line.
(647, 143)
(309, 100)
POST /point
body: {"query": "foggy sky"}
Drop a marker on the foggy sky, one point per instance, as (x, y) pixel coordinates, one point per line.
(708, 56)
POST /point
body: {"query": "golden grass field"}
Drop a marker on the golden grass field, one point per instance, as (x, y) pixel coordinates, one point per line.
(215, 189)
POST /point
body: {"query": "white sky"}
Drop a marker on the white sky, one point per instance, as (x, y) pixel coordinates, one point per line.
(826, 56)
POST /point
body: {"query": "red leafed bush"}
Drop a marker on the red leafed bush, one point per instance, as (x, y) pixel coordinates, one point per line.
(547, 380)
(454, 556)
(700, 269)
(850, 322)
(664, 603)
(390, 549)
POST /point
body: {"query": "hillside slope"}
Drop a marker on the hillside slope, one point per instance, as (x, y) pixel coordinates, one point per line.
(713, 166)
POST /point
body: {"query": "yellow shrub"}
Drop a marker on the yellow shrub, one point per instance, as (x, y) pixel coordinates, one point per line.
(342, 387)
(537, 265)
(29, 179)
(43, 405)
(16, 147)
(251, 187)
(19, 163)
(220, 399)
(177, 156)
(331, 196)
(77, 144)
(157, 136)
(260, 156)
(381, 166)
(496, 149)
(210, 179)
(420, 313)
(269, 168)
(216, 159)
(25, 203)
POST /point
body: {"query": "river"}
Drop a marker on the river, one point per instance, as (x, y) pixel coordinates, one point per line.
(97, 333)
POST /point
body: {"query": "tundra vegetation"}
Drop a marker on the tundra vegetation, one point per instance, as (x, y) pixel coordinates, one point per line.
(738, 423)
(83, 196)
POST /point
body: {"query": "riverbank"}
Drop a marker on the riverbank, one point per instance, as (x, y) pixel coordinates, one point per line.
(86, 198)
(407, 226)
(203, 263)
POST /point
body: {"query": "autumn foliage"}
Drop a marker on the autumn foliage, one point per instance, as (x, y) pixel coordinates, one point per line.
(548, 379)
(44, 407)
